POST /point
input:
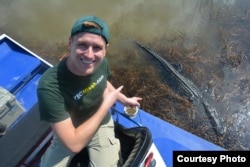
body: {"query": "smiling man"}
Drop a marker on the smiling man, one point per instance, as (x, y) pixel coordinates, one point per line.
(75, 97)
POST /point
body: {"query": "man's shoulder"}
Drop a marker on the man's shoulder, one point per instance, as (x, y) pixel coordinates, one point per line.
(104, 64)
(49, 77)
(105, 60)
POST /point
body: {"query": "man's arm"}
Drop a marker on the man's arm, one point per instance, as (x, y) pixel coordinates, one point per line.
(77, 138)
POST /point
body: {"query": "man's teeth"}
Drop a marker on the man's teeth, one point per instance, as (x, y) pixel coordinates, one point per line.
(87, 61)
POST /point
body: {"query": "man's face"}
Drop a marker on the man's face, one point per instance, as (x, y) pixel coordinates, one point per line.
(87, 51)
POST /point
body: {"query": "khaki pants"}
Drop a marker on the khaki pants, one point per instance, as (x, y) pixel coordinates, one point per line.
(104, 149)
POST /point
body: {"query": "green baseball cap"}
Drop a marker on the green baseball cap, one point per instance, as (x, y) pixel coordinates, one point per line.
(85, 24)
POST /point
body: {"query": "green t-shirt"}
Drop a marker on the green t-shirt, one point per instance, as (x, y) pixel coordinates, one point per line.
(61, 94)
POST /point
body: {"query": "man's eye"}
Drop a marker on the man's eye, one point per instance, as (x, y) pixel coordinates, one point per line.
(82, 45)
(97, 47)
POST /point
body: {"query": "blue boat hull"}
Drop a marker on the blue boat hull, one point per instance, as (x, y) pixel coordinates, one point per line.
(167, 137)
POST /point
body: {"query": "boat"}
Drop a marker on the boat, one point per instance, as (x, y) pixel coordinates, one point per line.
(146, 140)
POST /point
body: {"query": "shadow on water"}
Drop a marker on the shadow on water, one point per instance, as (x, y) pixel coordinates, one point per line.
(208, 39)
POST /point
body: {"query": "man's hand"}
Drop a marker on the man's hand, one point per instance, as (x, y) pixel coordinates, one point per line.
(110, 96)
(132, 101)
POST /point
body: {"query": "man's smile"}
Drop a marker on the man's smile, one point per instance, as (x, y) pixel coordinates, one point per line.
(84, 61)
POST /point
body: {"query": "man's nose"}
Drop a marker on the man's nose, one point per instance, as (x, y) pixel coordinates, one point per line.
(89, 52)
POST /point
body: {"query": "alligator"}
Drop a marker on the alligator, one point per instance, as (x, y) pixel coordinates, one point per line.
(190, 90)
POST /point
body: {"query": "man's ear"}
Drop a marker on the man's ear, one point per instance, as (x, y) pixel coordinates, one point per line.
(69, 43)
(106, 48)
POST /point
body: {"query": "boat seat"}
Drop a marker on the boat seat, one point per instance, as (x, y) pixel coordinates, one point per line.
(135, 143)
(10, 108)
(21, 66)
(17, 105)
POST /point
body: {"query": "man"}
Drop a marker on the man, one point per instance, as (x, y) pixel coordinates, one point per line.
(75, 96)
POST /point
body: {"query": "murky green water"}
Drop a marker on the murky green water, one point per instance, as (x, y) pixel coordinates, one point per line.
(209, 38)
